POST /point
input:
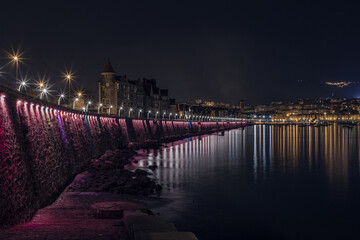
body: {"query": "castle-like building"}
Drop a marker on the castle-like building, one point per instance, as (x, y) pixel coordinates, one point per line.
(132, 98)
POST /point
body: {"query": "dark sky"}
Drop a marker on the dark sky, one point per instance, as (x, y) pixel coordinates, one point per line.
(215, 50)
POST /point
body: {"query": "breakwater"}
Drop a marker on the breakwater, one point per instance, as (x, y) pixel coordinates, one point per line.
(43, 146)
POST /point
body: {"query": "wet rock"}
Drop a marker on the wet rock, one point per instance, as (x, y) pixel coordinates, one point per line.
(153, 167)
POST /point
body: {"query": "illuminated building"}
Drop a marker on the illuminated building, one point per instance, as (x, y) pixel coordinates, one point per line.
(125, 94)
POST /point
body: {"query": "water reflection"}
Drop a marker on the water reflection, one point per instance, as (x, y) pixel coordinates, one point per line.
(273, 148)
(263, 170)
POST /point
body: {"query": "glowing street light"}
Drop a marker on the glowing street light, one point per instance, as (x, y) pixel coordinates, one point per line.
(22, 85)
(170, 115)
(139, 113)
(44, 92)
(111, 106)
(76, 99)
(175, 115)
(163, 115)
(68, 77)
(100, 105)
(61, 97)
(87, 106)
(130, 110)
(121, 108)
(15, 57)
(156, 115)
(148, 114)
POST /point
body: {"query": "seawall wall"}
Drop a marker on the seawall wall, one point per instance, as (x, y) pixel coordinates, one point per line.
(43, 146)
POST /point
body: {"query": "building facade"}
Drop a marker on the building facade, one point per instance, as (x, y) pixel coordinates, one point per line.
(132, 98)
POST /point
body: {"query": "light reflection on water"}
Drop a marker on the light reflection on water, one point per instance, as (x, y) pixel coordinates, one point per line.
(263, 182)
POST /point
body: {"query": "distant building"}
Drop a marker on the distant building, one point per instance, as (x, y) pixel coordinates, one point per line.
(132, 98)
(242, 106)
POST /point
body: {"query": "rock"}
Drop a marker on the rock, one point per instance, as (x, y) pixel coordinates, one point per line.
(153, 167)
(140, 172)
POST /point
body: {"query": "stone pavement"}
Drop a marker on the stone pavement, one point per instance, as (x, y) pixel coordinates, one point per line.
(71, 217)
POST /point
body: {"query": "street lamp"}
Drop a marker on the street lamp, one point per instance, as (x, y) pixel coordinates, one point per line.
(76, 99)
(61, 96)
(87, 106)
(130, 110)
(43, 92)
(100, 105)
(163, 115)
(121, 108)
(148, 114)
(111, 106)
(170, 116)
(16, 59)
(139, 113)
(69, 77)
(156, 115)
(22, 84)
(175, 115)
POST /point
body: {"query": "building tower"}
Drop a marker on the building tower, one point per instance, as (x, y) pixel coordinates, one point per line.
(242, 106)
(108, 89)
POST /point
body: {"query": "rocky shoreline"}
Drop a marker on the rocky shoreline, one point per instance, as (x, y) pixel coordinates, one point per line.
(109, 174)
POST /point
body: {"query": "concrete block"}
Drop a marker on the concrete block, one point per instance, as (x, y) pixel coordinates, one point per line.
(172, 236)
(111, 210)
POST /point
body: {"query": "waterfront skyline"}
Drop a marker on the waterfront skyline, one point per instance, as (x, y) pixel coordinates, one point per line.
(259, 52)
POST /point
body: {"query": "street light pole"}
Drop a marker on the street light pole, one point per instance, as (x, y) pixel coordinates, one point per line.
(120, 111)
(100, 105)
(110, 109)
(43, 92)
(16, 59)
(130, 110)
(139, 113)
(87, 106)
(148, 114)
(68, 77)
(22, 84)
(59, 100)
(76, 99)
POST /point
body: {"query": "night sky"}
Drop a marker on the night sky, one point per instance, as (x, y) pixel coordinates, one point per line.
(259, 51)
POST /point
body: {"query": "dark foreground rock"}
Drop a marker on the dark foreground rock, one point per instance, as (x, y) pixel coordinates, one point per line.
(108, 174)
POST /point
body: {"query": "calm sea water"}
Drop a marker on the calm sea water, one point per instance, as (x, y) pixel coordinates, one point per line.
(263, 182)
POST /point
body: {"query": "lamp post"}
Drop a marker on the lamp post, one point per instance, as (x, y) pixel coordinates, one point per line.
(130, 110)
(43, 92)
(22, 84)
(170, 116)
(68, 77)
(111, 106)
(59, 100)
(163, 117)
(87, 106)
(175, 115)
(156, 115)
(148, 114)
(16, 60)
(76, 99)
(100, 105)
(139, 113)
(121, 108)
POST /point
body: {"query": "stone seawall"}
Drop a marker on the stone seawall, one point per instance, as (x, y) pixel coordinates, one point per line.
(43, 146)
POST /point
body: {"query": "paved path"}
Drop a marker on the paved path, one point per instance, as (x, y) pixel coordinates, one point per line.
(70, 217)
